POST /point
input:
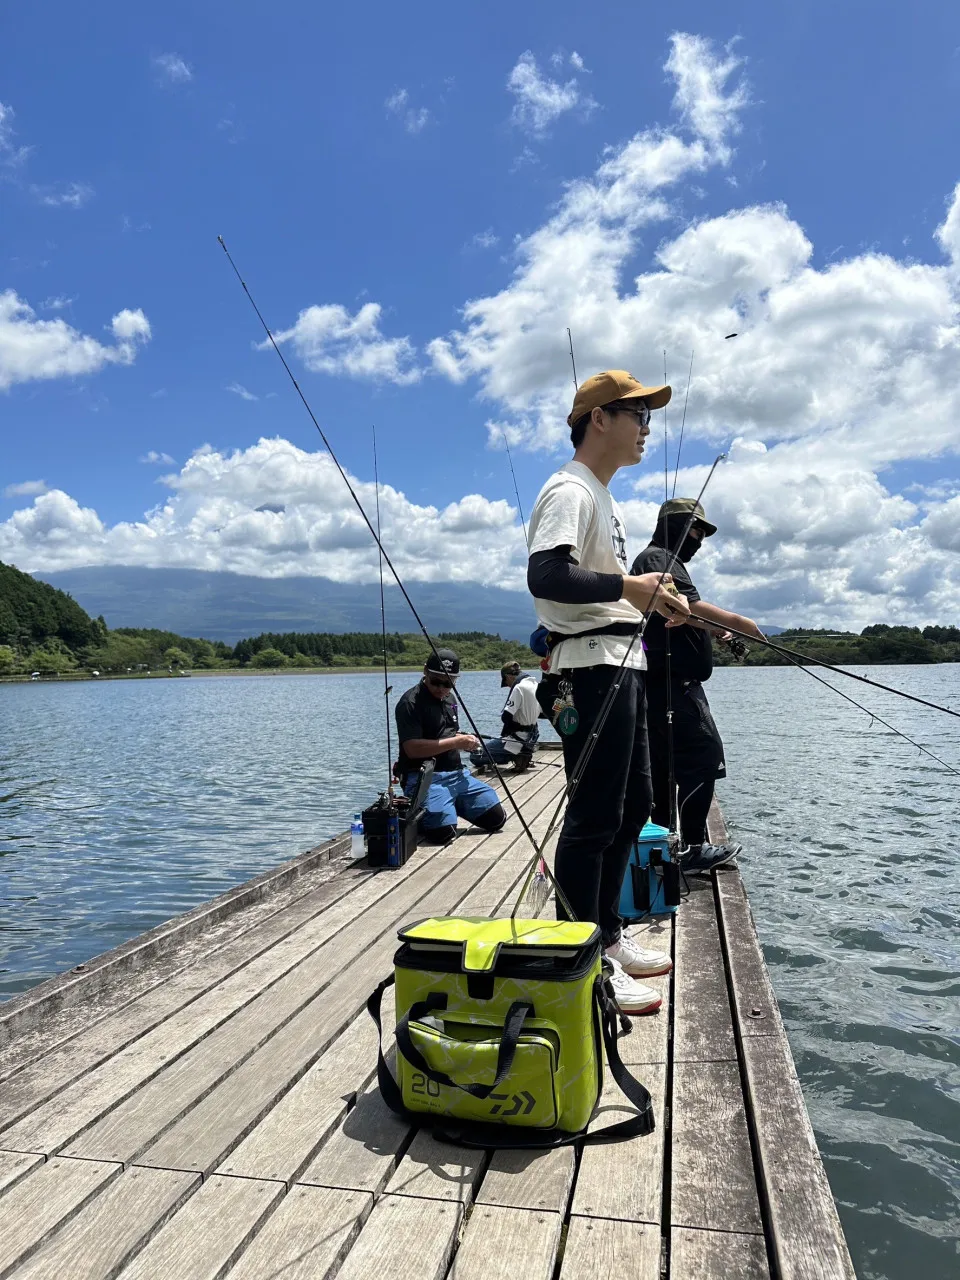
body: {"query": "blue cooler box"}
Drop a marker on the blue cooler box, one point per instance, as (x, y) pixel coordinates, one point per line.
(651, 886)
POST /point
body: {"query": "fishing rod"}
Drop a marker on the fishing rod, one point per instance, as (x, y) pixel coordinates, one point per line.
(383, 626)
(515, 488)
(873, 716)
(576, 384)
(673, 816)
(851, 675)
(366, 519)
(683, 420)
(606, 706)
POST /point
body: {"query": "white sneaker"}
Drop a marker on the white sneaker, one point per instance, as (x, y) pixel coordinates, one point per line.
(632, 997)
(638, 961)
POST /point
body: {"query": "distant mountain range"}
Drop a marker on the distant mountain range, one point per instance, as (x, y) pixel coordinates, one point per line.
(229, 606)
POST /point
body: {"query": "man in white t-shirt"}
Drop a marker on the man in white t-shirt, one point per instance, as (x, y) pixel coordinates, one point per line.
(520, 714)
(577, 573)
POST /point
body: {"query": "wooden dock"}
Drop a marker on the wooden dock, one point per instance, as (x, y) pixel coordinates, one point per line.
(202, 1103)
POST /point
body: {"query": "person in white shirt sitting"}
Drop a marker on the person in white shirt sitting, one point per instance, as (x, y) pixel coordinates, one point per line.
(520, 714)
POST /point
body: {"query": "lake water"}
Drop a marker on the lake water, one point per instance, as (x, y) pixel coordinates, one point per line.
(126, 802)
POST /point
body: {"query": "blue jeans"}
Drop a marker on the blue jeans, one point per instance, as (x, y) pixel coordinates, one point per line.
(453, 793)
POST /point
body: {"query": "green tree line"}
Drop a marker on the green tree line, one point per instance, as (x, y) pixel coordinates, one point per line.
(45, 630)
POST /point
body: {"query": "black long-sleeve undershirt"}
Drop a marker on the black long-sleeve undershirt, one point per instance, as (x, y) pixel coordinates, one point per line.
(555, 575)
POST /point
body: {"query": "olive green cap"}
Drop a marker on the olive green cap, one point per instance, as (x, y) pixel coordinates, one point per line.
(684, 507)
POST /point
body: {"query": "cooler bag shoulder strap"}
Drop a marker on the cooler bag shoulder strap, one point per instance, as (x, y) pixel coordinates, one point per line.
(629, 1085)
(389, 1089)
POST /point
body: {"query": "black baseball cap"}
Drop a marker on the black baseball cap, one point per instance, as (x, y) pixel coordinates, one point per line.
(443, 662)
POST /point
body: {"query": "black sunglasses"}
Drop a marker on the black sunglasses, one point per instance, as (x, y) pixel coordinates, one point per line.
(640, 411)
(438, 682)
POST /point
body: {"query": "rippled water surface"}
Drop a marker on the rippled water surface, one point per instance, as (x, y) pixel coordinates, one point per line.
(125, 802)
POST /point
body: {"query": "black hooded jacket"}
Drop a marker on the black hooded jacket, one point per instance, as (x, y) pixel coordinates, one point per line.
(691, 648)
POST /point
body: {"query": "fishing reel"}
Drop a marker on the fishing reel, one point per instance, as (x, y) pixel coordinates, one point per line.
(737, 647)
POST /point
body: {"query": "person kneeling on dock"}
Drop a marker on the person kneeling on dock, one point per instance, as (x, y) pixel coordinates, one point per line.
(428, 727)
(520, 733)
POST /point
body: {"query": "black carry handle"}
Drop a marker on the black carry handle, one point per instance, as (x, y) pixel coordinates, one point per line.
(478, 1134)
(517, 1014)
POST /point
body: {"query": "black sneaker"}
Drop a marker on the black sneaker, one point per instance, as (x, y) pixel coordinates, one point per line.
(698, 860)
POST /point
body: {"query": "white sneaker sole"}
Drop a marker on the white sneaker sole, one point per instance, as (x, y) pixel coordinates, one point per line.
(637, 1010)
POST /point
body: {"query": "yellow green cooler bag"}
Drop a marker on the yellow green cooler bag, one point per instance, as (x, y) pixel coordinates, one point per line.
(501, 1030)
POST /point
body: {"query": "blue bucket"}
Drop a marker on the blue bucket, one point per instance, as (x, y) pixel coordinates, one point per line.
(648, 888)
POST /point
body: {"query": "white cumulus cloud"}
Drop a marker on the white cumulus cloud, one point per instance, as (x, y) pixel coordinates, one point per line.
(32, 349)
(328, 339)
(25, 489)
(152, 456)
(274, 510)
(538, 100)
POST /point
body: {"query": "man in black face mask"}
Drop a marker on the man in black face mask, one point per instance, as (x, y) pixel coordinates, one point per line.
(697, 746)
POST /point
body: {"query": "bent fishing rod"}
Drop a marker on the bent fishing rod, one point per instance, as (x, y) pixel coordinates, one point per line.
(373, 533)
(794, 654)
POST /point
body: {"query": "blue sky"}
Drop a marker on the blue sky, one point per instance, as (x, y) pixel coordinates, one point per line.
(418, 161)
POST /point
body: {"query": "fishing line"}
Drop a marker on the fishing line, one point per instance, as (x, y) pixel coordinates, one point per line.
(606, 706)
(682, 422)
(383, 626)
(873, 716)
(851, 675)
(366, 519)
(673, 817)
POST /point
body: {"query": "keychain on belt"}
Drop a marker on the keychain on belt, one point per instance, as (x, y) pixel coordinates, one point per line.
(566, 717)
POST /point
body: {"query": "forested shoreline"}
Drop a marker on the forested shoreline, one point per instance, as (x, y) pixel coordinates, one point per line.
(44, 631)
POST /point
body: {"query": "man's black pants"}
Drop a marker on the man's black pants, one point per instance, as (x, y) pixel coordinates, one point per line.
(697, 755)
(613, 798)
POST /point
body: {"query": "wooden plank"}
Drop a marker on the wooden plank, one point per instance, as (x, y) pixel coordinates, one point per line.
(363, 1153)
(40, 1080)
(502, 1244)
(716, 827)
(288, 1135)
(599, 1247)
(237, 1033)
(200, 1016)
(435, 1170)
(755, 1004)
(295, 902)
(713, 1183)
(208, 1233)
(647, 1040)
(307, 1237)
(529, 1179)
(702, 1026)
(628, 1187)
(15, 1165)
(804, 1225)
(28, 1009)
(717, 1255)
(405, 1239)
(206, 1133)
(93, 1244)
(40, 1202)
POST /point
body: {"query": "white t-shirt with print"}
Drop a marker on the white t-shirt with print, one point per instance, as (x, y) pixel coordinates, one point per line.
(523, 706)
(575, 510)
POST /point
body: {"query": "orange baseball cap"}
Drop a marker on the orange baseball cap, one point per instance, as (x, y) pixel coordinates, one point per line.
(614, 384)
